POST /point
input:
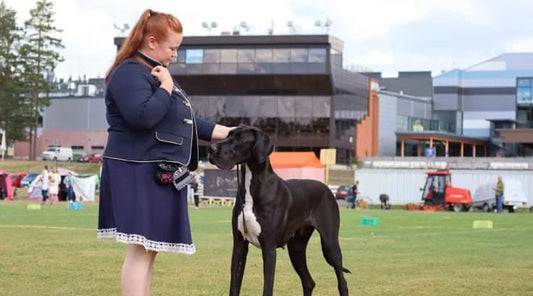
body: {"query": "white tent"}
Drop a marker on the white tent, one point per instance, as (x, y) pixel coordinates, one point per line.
(84, 186)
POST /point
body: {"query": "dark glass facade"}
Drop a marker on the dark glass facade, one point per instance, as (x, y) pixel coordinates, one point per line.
(524, 102)
(292, 87)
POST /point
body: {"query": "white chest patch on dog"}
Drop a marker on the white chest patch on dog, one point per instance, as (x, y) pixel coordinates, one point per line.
(253, 228)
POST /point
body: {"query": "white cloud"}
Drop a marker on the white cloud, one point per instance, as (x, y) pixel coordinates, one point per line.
(524, 44)
(383, 35)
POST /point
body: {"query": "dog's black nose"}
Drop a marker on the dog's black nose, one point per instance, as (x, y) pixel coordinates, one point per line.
(212, 148)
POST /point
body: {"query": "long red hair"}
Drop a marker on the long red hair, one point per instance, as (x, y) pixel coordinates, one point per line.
(151, 23)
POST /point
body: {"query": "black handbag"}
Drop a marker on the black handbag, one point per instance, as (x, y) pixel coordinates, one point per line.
(172, 173)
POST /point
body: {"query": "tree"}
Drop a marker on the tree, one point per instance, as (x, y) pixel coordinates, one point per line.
(40, 57)
(12, 117)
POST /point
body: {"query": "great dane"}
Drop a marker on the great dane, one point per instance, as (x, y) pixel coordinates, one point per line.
(270, 212)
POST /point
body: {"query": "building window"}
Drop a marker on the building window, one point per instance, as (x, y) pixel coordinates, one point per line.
(97, 147)
(228, 55)
(524, 91)
(336, 57)
(299, 55)
(77, 147)
(194, 56)
(317, 55)
(245, 55)
(263, 55)
(212, 56)
(181, 56)
(281, 55)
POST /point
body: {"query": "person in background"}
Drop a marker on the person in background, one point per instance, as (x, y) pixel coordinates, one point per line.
(43, 178)
(500, 187)
(195, 185)
(68, 185)
(151, 124)
(355, 191)
(54, 179)
(384, 199)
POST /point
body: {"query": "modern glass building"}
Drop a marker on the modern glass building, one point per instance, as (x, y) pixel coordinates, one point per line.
(293, 87)
(491, 100)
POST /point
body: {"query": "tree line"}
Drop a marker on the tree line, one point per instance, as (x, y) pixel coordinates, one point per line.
(28, 58)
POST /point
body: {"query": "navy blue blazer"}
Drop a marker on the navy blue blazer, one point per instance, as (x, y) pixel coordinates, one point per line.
(146, 124)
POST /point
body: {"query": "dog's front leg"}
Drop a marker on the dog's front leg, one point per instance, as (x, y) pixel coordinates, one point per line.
(269, 268)
(238, 262)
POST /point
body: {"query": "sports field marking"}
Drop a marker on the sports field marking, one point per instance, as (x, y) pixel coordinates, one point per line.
(46, 227)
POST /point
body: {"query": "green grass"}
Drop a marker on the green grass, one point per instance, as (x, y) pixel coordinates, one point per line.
(54, 251)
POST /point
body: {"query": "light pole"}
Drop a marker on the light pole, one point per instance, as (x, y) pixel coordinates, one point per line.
(324, 26)
(209, 26)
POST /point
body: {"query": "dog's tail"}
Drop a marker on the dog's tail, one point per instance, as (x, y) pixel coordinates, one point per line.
(346, 270)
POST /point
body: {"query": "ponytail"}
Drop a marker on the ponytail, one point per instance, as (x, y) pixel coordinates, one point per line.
(152, 23)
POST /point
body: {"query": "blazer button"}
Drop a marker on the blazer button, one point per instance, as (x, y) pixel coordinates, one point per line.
(187, 121)
(186, 103)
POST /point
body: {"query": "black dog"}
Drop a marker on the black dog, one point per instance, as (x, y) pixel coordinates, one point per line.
(271, 213)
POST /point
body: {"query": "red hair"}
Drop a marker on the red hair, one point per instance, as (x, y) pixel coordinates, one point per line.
(151, 23)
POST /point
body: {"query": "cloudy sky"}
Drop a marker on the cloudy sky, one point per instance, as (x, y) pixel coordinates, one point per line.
(379, 35)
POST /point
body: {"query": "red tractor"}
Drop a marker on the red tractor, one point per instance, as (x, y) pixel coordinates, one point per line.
(438, 193)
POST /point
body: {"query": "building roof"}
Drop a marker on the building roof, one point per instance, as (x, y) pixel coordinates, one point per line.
(255, 40)
(425, 135)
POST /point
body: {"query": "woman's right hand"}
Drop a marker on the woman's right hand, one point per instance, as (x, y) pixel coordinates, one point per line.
(163, 75)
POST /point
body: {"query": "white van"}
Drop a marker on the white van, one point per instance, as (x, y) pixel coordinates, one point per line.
(57, 153)
(514, 196)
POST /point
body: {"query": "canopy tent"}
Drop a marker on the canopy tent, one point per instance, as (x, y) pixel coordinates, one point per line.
(6, 190)
(84, 186)
(297, 165)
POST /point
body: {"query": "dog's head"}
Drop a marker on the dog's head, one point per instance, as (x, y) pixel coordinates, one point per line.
(244, 144)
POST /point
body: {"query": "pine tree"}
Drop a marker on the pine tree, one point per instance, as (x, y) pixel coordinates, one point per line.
(40, 56)
(12, 119)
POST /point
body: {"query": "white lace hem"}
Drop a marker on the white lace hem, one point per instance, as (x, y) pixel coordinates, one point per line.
(149, 245)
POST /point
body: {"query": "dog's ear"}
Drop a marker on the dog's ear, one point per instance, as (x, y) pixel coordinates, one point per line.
(262, 147)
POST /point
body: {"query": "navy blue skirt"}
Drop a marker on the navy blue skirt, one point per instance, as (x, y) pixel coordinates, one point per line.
(135, 209)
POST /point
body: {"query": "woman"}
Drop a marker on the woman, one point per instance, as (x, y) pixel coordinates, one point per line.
(43, 179)
(53, 185)
(150, 121)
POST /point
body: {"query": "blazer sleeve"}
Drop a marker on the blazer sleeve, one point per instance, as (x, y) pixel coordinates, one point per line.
(132, 93)
(204, 128)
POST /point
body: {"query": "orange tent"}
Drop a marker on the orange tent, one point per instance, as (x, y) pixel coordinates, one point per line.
(297, 165)
(294, 159)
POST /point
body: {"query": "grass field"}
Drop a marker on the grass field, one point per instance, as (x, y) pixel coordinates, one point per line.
(54, 251)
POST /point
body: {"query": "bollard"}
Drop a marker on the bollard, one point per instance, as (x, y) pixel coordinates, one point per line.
(368, 221)
(75, 206)
(486, 224)
(34, 207)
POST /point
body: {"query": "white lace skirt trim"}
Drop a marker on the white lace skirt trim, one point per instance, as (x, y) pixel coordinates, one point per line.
(149, 245)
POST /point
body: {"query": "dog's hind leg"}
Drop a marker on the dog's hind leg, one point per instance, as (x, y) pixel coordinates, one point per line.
(297, 246)
(332, 253)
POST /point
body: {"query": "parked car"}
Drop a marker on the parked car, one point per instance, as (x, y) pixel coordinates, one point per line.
(57, 153)
(342, 192)
(77, 154)
(26, 181)
(93, 158)
(16, 178)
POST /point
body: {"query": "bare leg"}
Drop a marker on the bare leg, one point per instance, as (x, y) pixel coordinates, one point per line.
(137, 271)
(150, 274)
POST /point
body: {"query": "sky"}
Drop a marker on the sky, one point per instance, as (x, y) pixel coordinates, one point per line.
(379, 35)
